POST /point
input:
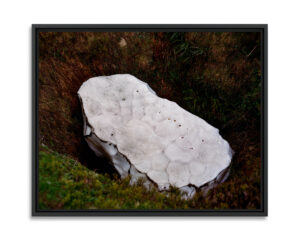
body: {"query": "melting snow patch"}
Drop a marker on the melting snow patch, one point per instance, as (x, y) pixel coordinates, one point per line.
(150, 137)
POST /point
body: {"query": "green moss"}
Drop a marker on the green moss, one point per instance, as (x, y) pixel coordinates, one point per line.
(66, 184)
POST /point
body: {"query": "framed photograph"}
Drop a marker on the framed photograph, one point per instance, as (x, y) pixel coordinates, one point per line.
(149, 120)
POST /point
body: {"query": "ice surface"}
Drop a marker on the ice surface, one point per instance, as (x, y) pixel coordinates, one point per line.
(146, 135)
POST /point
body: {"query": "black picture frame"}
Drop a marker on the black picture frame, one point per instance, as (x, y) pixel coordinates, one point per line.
(263, 28)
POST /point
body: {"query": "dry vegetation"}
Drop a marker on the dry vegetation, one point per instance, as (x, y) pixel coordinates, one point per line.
(214, 75)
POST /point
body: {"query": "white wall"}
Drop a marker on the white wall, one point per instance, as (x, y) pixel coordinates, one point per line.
(284, 117)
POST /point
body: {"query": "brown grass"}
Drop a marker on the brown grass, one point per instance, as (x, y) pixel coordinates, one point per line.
(224, 71)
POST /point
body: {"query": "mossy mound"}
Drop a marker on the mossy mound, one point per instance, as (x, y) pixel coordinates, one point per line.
(64, 183)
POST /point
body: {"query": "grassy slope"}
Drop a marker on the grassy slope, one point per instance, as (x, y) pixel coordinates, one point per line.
(216, 76)
(64, 183)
